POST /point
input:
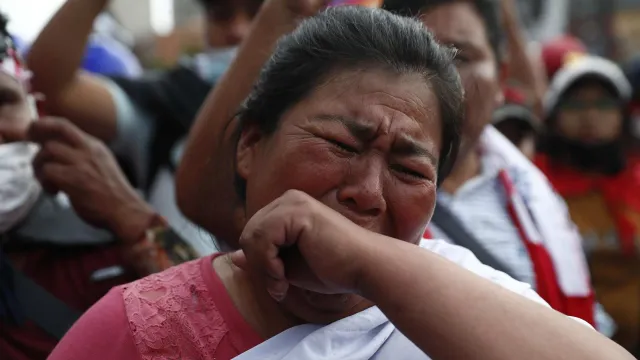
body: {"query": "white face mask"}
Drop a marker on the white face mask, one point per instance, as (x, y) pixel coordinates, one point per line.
(19, 189)
(215, 62)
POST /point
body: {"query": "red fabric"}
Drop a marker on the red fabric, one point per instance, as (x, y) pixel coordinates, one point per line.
(620, 193)
(554, 52)
(546, 277)
(547, 285)
(228, 334)
(65, 273)
(513, 95)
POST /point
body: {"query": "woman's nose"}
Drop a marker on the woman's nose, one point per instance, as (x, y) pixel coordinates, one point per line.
(363, 189)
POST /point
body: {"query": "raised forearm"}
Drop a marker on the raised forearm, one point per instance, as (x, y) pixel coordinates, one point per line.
(206, 170)
(521, 66)
(450, 313)
(57, 53)
(55, 60)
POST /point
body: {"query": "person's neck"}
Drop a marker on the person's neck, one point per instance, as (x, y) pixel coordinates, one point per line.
(465, 169)
(255, 305)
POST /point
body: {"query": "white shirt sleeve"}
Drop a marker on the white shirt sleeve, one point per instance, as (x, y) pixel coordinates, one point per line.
(135, 129)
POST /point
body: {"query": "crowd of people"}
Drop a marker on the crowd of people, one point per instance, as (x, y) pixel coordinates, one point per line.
(342, 182)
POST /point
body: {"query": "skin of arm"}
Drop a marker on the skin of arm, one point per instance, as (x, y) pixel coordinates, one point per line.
(522, 67)
(467, 317)
(211, 176)
(55, 59)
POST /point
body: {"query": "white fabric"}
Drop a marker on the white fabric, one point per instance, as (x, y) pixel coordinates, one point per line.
(213, 63)
(163, 198)
(480, 205)
(11, 67)
(19, 189)
(549, 212)
(369, 334)
(15, 70)
(583, 66)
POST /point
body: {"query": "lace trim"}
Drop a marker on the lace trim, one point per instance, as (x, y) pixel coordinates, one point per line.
(173, 316)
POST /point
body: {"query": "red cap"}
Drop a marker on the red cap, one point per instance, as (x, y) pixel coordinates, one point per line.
(513, 95)
(556, 51)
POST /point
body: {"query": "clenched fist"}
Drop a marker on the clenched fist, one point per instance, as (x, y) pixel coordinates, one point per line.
(298, 240)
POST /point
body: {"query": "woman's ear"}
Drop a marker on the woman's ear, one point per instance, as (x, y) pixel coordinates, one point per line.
(246, 151)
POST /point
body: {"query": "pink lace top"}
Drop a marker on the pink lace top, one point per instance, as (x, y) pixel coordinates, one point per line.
(182, 313)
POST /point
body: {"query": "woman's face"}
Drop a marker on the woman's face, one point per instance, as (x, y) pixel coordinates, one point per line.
(14, 108)
(229, 22)
(590, 114)
(458, 23)
(366, 144)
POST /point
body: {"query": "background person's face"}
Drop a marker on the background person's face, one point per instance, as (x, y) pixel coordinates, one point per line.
(14, 108)
(364, 143)
(459, 24)
(229, 22)
(590, 114)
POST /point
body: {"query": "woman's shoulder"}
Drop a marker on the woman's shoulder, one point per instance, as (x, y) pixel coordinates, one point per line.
(173, 314)
(169, 315)
(86, 338)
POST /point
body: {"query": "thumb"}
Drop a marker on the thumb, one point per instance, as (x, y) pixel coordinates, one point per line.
(239, 259)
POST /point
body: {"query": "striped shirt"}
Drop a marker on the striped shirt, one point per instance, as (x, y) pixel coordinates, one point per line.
(481, 206)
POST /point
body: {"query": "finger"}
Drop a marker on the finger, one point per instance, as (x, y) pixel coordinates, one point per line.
(260, 242)
(277, 288)
(53, 177)
(239, 259)
(54, 151)
(59, 129)
(48, 187)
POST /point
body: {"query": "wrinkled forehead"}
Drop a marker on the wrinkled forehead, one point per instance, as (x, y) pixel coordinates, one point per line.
(377, 104)
(404, 97)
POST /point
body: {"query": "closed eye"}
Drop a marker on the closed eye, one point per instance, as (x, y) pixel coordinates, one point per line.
(408, 172)
(342, 146)
(461, 59)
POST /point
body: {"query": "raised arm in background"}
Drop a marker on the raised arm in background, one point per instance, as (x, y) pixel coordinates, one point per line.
(522, 68)
(206, 170)
(55, 60)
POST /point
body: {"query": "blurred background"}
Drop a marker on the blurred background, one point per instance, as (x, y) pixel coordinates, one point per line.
(160, 31)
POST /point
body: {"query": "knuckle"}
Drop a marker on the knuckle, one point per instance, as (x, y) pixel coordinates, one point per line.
(297, 198)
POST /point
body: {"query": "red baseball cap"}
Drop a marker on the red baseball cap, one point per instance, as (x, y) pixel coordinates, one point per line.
(556, 51)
